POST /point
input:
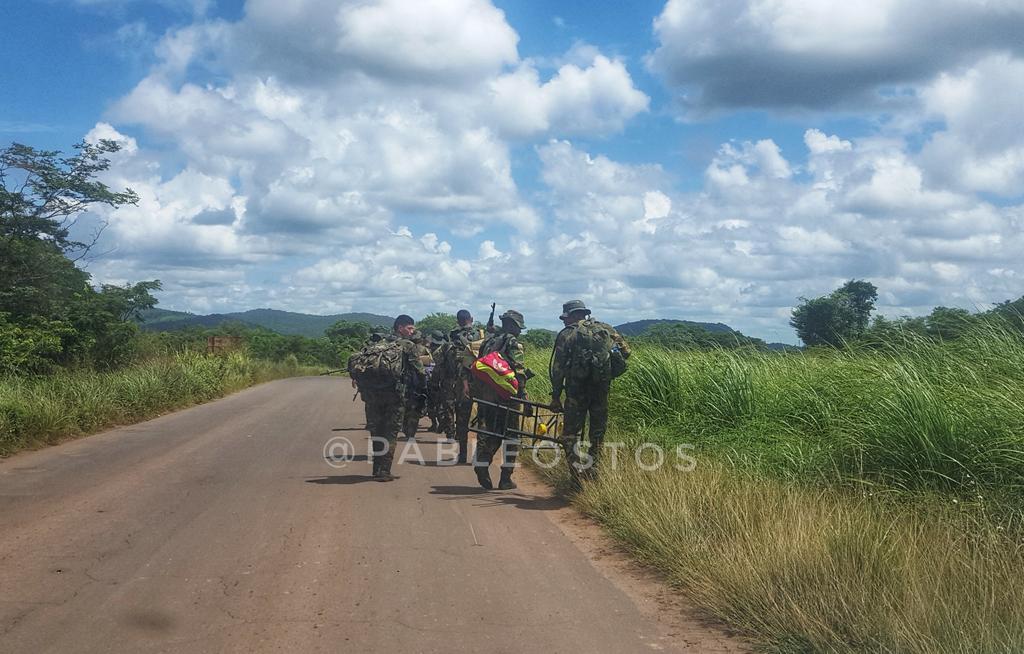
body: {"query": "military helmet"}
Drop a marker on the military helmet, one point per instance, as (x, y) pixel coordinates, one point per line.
(572, 306)
(513, 316)
(437, 337)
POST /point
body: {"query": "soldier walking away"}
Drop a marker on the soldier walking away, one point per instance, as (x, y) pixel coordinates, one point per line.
(383, 370)
(587, 355)
(438, 380)
(496, 419)
(416, 397)
(465, 342)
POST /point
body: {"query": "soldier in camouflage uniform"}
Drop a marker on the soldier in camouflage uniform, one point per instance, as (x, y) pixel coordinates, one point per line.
(416, 397)
(384, 407)
(461, 339)
(586, 385)
(496, 419)
(441, 412)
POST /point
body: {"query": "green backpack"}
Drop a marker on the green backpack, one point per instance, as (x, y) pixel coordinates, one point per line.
(595, 356)
(378, 366)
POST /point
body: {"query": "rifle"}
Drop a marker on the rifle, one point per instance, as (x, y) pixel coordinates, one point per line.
(490, 320)
(332, 372)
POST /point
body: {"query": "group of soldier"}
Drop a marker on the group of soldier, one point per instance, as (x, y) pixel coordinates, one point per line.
(436, 381)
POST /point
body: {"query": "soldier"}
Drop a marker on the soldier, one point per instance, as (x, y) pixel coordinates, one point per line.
(384, 370)
(416, 397)
(465, 343)
(496, 419)
(587, 355)
(441, 412)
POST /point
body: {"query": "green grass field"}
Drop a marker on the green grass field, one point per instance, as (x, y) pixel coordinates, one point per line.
(42, 410)
(842, 501)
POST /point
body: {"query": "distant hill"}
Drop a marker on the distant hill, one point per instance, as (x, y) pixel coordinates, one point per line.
(282, 322)
(637, 327)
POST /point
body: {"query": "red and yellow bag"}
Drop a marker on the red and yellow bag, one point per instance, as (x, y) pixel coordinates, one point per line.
(495, 373)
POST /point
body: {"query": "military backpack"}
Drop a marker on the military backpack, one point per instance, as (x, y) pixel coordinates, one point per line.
(378, 366)
(595, 357)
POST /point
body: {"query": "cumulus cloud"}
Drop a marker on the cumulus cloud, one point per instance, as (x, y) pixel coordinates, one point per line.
(815, 54)
(325, 156)
(982, 147)
(599, 97)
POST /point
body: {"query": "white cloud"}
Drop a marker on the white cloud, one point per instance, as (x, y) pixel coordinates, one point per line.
(801, 53)
(982, 146)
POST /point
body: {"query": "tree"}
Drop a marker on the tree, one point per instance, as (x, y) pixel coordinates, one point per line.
(857, 298)
(444, 322)
(840, 316)
(539, 338)
(42, 194)
(44, 297)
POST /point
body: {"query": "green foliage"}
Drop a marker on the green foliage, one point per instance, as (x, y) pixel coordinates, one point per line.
(52, 316)
(43, 193)
(445, 322)
(836, 318)
(538, 337)
(681, 336)
(922, 414)
(37, 410)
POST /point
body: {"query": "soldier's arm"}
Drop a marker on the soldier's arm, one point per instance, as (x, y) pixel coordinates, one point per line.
(559, 361)
(414, 365)
(621, 342)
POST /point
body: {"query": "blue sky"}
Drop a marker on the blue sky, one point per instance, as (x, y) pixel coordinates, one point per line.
(707, 161)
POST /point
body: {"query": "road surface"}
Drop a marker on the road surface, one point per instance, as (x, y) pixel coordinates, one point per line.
(225, 528)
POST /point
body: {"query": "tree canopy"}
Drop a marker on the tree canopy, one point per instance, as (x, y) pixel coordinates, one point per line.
(833, 319)
(49, 313)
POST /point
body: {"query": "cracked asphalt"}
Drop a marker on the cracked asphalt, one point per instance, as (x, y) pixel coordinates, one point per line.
(225, 528)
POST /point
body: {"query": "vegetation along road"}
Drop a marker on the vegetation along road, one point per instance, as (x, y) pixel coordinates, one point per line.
(225, 528)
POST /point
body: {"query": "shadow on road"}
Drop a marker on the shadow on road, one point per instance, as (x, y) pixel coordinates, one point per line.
(340, 479)
(498, 498)
(349, 429)
(458, 490)
(351, 457)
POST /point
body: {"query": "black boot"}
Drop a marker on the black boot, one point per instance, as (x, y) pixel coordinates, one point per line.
(506, 483)
(483, 475)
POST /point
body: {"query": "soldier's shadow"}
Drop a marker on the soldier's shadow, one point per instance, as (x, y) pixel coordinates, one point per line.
(340, 479)
(499, 498)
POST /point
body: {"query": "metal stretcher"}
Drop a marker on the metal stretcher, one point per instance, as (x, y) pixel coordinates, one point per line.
(532, 424)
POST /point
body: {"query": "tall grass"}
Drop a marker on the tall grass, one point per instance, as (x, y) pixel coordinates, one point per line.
(867, 499)
(924, 415)
(812, 571)
(41, 410)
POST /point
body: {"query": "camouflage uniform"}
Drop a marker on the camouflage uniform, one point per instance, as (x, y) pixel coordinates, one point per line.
(385, 406)
(440, 388)
(585, 393)
(415, 396)
(495, 419)
(461, 339)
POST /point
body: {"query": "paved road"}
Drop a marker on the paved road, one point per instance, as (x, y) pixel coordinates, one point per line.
(223, 528)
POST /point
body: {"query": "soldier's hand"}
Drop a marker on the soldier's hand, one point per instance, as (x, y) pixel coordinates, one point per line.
(354, 384)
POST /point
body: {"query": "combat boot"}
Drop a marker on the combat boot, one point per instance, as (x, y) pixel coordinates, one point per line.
(483, 475)
(506, 483)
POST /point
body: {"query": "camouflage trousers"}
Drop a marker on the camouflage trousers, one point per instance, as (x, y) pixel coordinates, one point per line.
(383, 418)
(441, 409)
(496, 420)
(410, 418)
(463, 412)
(585, 404)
